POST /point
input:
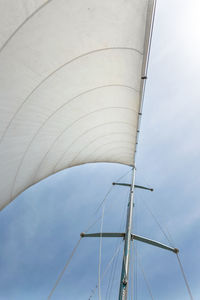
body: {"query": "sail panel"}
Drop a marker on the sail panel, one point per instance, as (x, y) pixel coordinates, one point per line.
(71, 85)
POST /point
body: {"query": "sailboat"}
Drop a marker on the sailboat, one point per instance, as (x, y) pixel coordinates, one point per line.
(73, 80)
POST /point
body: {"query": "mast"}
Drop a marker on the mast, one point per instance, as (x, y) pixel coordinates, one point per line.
(123, 290)
(128, 236)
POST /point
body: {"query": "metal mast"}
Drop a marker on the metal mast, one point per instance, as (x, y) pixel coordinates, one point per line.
(123, 290)
(128, 236)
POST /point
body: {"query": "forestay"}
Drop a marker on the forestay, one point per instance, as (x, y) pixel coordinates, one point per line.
(71, 85)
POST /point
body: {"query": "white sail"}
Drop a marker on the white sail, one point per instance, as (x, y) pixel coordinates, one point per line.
(71, 85)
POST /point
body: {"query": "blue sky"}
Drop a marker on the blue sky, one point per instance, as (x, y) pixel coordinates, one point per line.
(39, 229)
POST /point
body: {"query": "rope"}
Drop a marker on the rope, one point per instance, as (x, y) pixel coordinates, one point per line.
(63, 271)
(184, 276)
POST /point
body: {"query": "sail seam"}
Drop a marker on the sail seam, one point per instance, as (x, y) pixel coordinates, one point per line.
(86, 115)
(23, 23)
(52, 73)
(62, 156)
(44, 123)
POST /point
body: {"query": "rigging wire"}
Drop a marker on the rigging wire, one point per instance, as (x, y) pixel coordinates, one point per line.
(132, 270)
(78, 242)
(110, 280)
(134, 249)
(92, 224)
(136, 273)
(184, 277)
(113, 276)
(158, 223)
(124, 174)
(107, 268)
(114, 267)
(69, 259)
(104, 199)
(144, 276)
(170, 236)
(100, 251)
(64, 269)
(164, 231)
(101, 203)
(101, 228)
(171, 242)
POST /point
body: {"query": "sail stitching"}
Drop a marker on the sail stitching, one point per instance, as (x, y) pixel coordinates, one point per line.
(111, 143)
(90, 143)
(23, 23)
(55, 71)
(63, 132)
(86, 115)
(62, 106)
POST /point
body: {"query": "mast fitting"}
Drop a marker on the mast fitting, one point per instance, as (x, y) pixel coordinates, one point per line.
(135, 186)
